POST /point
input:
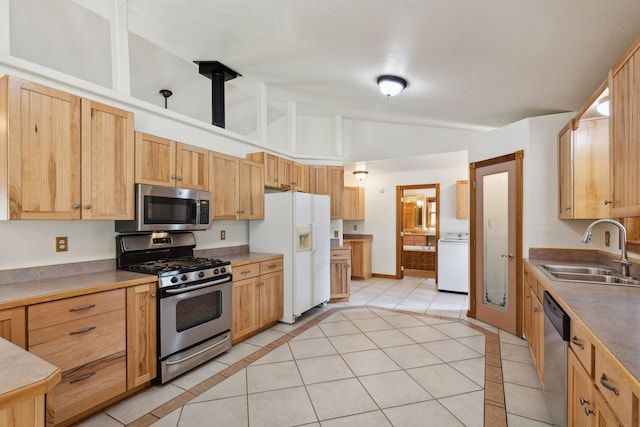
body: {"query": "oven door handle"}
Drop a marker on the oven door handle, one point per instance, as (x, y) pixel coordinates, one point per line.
(194, 287)
(197, 353)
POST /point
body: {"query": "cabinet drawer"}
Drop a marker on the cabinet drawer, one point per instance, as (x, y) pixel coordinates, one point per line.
(611, 380)
(581, 344)
(90, 384)
(270, 266)
(65, 310)
(75, 343)
(340, 254)
(246, 271)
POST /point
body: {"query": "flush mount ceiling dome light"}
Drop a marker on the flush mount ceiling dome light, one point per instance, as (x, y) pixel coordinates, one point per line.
(391, 85)
(360, 175)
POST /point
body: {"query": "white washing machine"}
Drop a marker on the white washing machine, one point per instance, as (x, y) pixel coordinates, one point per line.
(453, 262)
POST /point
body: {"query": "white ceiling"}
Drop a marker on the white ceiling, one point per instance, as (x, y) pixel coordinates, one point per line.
(469, 63)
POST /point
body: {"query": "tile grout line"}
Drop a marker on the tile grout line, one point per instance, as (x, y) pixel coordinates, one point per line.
(498, 409)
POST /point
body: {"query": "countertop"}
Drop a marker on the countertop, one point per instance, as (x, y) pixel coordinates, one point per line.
(611, 312)
(357, 237)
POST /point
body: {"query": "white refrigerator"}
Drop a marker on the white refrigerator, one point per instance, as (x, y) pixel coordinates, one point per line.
(297, 226)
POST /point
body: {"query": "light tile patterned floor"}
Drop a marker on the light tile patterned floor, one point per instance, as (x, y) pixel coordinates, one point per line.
(382, 359)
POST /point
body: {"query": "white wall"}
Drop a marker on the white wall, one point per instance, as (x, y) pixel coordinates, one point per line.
(380, 209)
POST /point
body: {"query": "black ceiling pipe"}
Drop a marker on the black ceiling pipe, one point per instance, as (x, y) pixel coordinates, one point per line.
(218, 73)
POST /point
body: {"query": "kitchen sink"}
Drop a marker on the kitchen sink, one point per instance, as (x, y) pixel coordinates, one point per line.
(586, 274)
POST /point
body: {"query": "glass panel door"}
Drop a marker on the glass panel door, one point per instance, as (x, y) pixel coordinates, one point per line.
(496, 239)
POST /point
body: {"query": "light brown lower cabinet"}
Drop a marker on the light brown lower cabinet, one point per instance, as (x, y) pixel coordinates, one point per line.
(141, 334)
(258, 299)
(340, 266)
(360, 258)
(13, 326)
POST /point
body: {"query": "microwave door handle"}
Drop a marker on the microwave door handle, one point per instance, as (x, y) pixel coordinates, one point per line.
(197, 213)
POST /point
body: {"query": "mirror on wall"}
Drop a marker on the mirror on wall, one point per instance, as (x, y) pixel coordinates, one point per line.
(420, 210)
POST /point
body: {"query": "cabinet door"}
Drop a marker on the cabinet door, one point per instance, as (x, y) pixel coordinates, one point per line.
(340, 280)
(537, 329)
(223, 184)
(285, 173)
(43, 164)
(246, 307)
(565, 172)
(591, 189)
(335, 175)
(13, 327)
(107, 162)
(462, 199)
(580, 394)
(625, 127)
(528, 306)
(271, 297)
(318, 183)
(353, 203)
(251, 190)
(192, 167)
(300, 177)
(141, 334)
(155, 160)
(604, 415)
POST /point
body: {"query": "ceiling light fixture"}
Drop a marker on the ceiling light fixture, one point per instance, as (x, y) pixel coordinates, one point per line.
(360, 175)
(603, 106)
(391, 85)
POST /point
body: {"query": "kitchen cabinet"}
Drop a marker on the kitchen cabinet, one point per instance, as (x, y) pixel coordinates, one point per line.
(270, 163)
(300, 177)
(281, 173)
(237, 187)
(141, 334)
(13, 326)
(85, 337)
(340, 266)
(462, 199)
(624, 87)
(65, 157)
(360, 258)
(285, 173)
(534, 320)
(354, 203)
(583, 169)
(258, 299)
(329, 180)
(161, 161)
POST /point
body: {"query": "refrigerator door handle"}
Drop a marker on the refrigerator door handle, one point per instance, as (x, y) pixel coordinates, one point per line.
(314, 230)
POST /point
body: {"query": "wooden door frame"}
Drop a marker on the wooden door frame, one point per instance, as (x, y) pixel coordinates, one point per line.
(518, 156)
(399, 215)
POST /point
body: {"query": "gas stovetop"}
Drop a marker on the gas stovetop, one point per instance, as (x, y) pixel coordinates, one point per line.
(167, 267)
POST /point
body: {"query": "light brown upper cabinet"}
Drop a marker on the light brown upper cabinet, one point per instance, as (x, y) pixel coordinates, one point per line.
(300, 175)
(624, 84)
(329, 180)
(354, 203)
(237, 187)
(281, 173)
(462, 199)
(65, 157)
(161, 161)
(583, 164)
(285, 173)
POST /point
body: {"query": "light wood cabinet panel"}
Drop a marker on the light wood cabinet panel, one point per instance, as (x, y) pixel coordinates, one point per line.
(13, 326)
(360, 259)
(223, 180)
(250, 190)
(39, 152)
(354, 203)
(161, 161)
(270, 163)
(258, 298)
(580, 395)
(612, 382)
(340, 266)
(192, 167)
(462, 199)
(582, 346)
(604, 414)
(534, 321)
(318, 180)
(285, 173)
(565, 172)
(335, 176)
(141, 334)
(107, 162)
(300, 177)
(26, 413)
(155, 160)
(624, 87)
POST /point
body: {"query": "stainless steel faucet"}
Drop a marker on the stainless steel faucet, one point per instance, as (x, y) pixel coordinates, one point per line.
(623, 261)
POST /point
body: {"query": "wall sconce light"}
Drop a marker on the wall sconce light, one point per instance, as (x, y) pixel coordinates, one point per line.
(603, 106)
(391, 85)
(360, 175)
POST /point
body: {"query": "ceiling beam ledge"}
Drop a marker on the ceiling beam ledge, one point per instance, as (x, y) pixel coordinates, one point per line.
(120, 69)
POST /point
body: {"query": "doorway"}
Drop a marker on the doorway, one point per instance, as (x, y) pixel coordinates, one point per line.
(495, 292)
(417, 230)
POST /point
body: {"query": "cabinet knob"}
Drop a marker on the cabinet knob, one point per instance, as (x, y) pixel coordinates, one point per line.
(173, 177)
(179, 178)
(567, 209)
(76, 206)
(583, 401)
(608, 202)
(535, 309)
(87, 206)
(588, 411)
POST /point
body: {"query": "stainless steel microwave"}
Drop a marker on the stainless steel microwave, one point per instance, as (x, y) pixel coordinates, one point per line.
(168, 208)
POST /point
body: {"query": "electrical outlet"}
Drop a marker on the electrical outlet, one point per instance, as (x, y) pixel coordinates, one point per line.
(62, 244)
(223, 235)
(335, 234)
(355, 226)
(607, 238)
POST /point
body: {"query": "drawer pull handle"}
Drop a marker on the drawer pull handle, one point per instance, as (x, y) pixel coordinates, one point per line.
(245, 272)
(605, 384)
(575, 341)
(82, 331)
(84, 307)
(272, 266)
(82, 378)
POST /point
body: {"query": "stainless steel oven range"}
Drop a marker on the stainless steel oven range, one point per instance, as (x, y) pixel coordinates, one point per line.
(194, 298)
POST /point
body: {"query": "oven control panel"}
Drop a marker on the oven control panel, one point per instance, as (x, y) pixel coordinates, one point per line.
(180, 278)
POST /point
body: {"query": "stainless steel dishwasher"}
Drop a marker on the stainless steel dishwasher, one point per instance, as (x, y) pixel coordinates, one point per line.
(556, 346)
